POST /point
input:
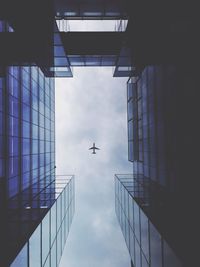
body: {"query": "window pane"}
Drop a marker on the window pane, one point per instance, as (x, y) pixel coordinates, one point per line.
(137, 221)
(34, 248)
(53, 256)
(144, 234)
(45, 237)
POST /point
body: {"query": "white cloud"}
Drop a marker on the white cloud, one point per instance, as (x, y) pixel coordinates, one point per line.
(91, 107)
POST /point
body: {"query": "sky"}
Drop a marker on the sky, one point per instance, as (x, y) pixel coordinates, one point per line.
(91, 107)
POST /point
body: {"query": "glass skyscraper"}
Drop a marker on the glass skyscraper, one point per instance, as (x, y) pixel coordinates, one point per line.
(151, 203)
(36, 207)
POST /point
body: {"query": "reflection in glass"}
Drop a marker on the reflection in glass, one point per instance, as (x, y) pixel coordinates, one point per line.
(34, 248)
(45, 237)
(144, 234)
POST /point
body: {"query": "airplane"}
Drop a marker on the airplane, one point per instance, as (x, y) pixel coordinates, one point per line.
(94, 147)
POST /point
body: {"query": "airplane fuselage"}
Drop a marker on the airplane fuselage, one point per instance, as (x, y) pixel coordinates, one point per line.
(94, 148)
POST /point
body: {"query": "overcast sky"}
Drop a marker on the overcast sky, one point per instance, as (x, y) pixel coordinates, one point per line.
(91, 107)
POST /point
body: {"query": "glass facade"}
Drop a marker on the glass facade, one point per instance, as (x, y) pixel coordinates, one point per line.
(36, 207)
(52, 220)
(161, 118)
(147, 247)
(29, 128)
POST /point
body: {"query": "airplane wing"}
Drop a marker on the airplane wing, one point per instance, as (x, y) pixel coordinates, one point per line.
(96, 148)
(91, 148)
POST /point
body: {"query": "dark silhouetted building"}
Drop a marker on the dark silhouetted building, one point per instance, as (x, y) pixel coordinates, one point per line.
(157, 204)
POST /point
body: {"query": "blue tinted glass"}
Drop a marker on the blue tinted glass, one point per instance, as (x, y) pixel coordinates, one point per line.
(137, 255)
(41, 120)
(41, 107)
(1, 167)
(129, 90)
(47, 123)
(130, 150)
(35, 102)
(15, 71)
(59, 236)
(58, 212)
(26, 129)
(13, 186)
(26, 112)
(131, 212)
(41, 160)
(137, 221)
(1, 123)
(13, 146)
(13, 86)
(48, 135)
(34, 146)
(45, 237)
(34, 161)
(34, 116)
(59, 51)
(1, 146)
(144, 234)
(92, 60)
(76, 60)
(34, 131)
(34, 88)
(144, 261)
(53, 256)
(26, 146)
(53, 223)
(47, 158)
(34, 248)
(41, 146)
(26, 163)
(130, 130)
(13, 106)
(41, 80)
(60, 61)
(108, 61)
(48, 147)
(25, 180)
(26, 77)
(48, 113)
(34, 72)
(41, 92)
(13, 126)
(13, 166)
(26, 96)
(130, 110)
(132, 246)
(1, 99)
